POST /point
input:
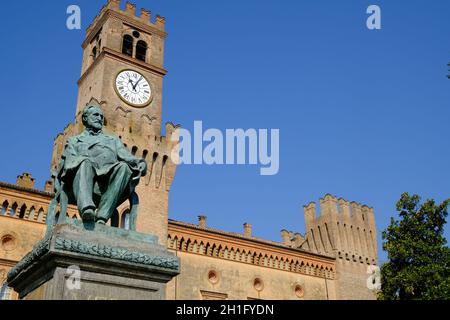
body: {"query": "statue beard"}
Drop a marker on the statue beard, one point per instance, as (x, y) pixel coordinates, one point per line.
(94, 131)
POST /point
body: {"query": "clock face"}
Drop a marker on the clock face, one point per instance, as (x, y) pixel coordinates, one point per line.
(133, 88)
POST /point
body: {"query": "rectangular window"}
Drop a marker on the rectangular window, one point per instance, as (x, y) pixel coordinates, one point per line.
(209, 295)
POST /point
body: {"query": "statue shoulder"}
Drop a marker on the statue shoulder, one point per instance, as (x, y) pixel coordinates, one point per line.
(79, 137)
(112, 137)
(72, 140)
(112, 140)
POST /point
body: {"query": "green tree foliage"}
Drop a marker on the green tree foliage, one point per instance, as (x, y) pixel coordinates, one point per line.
(419, 259)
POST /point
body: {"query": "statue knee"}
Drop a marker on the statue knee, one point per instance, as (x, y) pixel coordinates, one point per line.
(124, 169)
(87, 164)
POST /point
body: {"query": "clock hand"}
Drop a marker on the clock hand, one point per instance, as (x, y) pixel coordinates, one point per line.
(134, 87)
(131, 81)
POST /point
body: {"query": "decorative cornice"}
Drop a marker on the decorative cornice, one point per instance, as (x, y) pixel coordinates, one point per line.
(255, 241)
(220, 245)
(40, 223)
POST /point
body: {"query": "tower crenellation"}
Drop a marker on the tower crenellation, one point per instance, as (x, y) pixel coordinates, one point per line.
(346, 229)
(291, 239)
(130, 11)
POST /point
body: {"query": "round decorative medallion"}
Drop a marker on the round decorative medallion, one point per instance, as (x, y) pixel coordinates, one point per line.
(299, 292)
(258, 284)
(8, 242)
(213, 277)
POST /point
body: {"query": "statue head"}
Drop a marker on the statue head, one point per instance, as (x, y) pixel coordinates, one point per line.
(93, 118)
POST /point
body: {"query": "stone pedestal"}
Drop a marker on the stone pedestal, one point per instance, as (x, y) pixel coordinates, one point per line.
(94, 262)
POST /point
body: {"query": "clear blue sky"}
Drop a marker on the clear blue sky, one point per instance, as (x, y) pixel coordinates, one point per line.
(362, 114)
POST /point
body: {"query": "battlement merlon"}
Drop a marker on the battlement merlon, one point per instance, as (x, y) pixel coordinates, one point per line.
(345, 208)
(286, 237)
(146, 15)
(168, 144)
(160, 22)
(130, 9)
(142, 21)
(334, 209)
(310, 215)
(291, 239)
(328, 207)
(172, 133)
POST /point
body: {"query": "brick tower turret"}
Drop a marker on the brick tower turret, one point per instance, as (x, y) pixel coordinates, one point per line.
(347, 231)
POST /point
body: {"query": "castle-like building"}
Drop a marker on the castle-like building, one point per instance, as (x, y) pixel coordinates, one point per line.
(330, 261)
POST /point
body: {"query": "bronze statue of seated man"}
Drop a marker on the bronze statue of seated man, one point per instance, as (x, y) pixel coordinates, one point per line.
(97, 171)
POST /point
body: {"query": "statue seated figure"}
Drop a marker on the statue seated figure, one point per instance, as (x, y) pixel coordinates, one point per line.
(96, 172)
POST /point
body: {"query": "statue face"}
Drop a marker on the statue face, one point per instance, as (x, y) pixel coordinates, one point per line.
(94, 119)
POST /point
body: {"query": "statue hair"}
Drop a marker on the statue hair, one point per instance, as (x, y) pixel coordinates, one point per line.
(86, 112)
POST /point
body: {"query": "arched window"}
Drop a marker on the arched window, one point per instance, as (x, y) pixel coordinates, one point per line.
(94, 53)
(134, 150)
(5, 207)
(40, 217)
(141, 50)
(13, 210)
(22, 212)
(127, 45)
(31, 215)
(125, 221)
(5, 292)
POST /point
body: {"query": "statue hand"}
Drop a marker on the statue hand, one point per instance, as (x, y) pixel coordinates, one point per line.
(143, 168)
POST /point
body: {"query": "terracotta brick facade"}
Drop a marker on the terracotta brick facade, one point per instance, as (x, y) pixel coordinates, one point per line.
(214, 264)
(328, 262)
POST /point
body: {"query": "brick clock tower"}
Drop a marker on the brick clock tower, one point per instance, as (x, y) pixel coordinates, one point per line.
(122, 71)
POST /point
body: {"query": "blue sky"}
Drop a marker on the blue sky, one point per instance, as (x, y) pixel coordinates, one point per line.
(362, 114)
